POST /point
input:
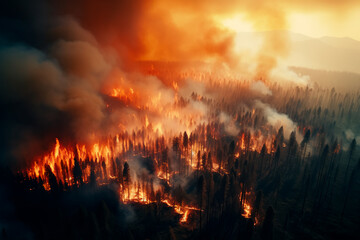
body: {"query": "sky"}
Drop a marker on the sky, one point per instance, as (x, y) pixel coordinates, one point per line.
(310, 24)
(317, 23)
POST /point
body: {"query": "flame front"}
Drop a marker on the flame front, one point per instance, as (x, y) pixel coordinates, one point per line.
(157, 119)
(102, 159)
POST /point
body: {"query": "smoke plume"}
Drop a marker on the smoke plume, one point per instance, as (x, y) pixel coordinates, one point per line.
(276, 119)
(58, 59)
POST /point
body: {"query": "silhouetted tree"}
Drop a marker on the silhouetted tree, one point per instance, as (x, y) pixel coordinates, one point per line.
(158, 202)
(279, 137)
(103, 166)
(257, 203)
(277, 156)
(54, 186)
(307, 183)
(249, 229)
(152, 192)
(262, 156)
(351, 182)
(292, 142)
(305, 141)
(201, 188)
(322, 162)
(219, 157)
(232, 148)
(92, 175)
(198, 160)
(77, 172)
(165, 162)
(179, 195)
(209, 162)
(351, 151)
(185, 140)
(191, 142)
(267, 228)
(203, 162)
(127, 177)
(210, 196)
(176, 149)
(225, 186)
(119, 170)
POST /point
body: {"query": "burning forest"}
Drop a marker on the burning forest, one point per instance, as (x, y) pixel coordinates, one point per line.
(124, 120)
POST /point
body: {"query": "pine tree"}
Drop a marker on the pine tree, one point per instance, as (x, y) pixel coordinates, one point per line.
(127, 177)
(198, 160)
(92, 175)
(209, 162)
(277, 157)
(262, 156)
(304, 142)
(280, 137)
(267, 228)
(165, 162)
(232, 148)
(257, 204)
(292, 142)
(219, 157)
(351, 182)
(210, 195)
(203, 162)
(54, 186)
(77, 172)
(185, 140)
(201, 188)
(351, 151)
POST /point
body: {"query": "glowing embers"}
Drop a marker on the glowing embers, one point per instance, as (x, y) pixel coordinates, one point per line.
(184, 218)
(125, 95)
(184, 211)
(244, 198)
(140, 196)
(247, 210)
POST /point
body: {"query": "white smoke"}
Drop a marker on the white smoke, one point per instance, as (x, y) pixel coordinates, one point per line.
(276, 119)
(260, 87)
(229, 123)
(350, 135)
(285, 75)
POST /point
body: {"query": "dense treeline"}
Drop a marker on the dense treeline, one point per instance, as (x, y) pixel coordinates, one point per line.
(243, 177)
(299, 185)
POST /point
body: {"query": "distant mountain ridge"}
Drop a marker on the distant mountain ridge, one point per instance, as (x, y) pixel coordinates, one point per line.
(324, 53)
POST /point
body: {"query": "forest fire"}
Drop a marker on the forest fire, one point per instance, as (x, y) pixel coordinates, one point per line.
(247, 210)
(65, 167)
(179, 120)
(201, 164)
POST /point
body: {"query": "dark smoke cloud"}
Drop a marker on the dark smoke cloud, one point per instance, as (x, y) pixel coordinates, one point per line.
(51, 72)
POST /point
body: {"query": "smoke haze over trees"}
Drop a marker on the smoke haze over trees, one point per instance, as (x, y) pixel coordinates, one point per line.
(144, 120)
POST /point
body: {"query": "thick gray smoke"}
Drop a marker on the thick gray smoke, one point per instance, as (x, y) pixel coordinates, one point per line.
(52, 92)
(61, 91)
